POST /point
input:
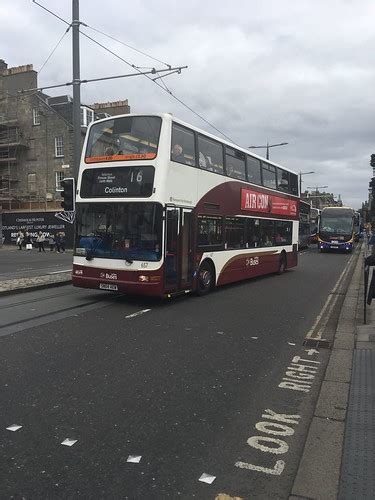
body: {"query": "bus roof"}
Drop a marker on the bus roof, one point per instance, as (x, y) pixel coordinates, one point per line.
(337, 210)
(170, 117)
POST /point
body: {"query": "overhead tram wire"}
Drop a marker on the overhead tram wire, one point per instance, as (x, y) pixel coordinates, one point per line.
(26, 96)
(126, 45)
(160, 86)
(169, 92)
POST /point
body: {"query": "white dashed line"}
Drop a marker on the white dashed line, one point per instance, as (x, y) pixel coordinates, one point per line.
(137, 313)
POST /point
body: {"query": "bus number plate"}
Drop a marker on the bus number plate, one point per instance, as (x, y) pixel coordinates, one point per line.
(107, 286)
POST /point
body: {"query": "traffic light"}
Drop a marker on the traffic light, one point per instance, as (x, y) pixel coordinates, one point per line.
(372, 160)
(69, 194)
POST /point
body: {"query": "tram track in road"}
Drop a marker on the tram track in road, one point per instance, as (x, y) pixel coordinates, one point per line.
(53, 307)
(31, 301)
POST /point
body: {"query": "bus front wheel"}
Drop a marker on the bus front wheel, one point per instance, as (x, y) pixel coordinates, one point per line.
(205, 279)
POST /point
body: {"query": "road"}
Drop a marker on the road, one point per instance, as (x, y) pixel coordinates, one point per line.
(192, 386)
(28, 264)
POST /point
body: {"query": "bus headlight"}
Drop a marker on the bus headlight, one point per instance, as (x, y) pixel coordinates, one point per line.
(143, 278)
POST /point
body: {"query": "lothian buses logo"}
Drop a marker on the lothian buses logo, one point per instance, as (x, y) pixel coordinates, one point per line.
(108, 276)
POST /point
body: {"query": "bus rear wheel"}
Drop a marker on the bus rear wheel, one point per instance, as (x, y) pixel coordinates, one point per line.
(206, 279)
(282, 264)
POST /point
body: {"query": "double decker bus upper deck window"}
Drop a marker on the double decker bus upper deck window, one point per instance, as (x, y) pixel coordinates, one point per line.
(183, 145)
(235, 164)
(124, 138)
(269, 175)
(293, 184)
(210, 155)
(282, 180)
(253, 170)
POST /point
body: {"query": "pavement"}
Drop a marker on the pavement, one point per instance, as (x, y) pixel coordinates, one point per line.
(20, 285)
(338, 459)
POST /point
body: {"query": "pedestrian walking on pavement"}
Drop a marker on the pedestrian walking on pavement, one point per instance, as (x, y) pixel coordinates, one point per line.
(57, 242)
(51, 242)
(20, 238)
(62, 241)
(28, 242)
(40, 240)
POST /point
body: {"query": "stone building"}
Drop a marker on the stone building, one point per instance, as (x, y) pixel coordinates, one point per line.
(321, 200)
(36, 141)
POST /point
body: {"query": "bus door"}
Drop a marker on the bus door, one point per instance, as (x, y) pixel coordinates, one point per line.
(178, 250)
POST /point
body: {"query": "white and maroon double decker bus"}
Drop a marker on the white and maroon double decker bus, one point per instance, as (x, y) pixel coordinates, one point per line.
(164, 208)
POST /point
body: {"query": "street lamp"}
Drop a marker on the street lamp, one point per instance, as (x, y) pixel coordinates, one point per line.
(300, 180)
(267, 147)
(316, 188)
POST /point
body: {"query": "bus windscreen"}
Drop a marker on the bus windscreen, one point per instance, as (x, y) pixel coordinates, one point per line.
(337, 225)
(122, 139)
(119, 231)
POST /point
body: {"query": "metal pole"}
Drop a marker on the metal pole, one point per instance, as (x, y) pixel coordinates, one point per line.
(268, 151)
(300, 183)
(76, 89)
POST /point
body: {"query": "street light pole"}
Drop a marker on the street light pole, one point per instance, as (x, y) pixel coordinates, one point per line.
(300, 180)
(76, 89)
(267, 147)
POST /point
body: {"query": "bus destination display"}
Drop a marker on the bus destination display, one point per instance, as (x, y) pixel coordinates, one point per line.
(120, 182)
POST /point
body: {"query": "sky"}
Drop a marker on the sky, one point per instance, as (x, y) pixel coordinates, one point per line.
(295, 71)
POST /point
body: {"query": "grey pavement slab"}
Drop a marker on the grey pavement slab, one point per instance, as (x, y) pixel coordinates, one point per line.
(339, 366)
(319, 470)
(333, 400)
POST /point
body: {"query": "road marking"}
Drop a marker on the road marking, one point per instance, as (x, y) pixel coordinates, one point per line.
(310, 352)
(329, 305)
(275, 471)
(62, 271)
(275, 446)
(138, 313)
(300, 375)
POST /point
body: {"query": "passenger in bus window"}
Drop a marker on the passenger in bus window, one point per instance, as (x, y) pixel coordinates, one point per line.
(176, 153)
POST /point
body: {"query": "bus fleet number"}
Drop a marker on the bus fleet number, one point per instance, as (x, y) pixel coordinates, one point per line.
(252, 261)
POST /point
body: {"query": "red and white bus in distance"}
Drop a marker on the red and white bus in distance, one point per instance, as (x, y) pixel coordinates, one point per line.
(165, 208)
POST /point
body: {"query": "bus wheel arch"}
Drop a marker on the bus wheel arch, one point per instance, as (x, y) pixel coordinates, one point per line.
(282, 263)
(206, 277)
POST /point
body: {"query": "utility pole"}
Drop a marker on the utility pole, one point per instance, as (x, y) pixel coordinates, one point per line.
(267, 147)
(76, 89)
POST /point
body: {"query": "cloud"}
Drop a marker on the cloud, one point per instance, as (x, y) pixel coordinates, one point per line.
(297, 72)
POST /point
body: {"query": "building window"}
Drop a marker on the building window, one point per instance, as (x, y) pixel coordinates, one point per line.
(59, 146)
(59, 177)
(87, 116)
(90, 116)
(36, 116)
(31, 183)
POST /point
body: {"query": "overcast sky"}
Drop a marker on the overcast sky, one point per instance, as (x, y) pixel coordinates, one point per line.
(296, 71)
